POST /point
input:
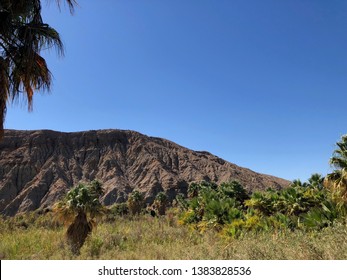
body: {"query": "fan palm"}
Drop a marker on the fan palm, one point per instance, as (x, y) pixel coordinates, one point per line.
(23, 35)
(193, 190)
(298, 184)
(135, 202)
(160, 203)
(78, 211)
(264, 203)
(337, 180)
(235, 190)
(316, 181)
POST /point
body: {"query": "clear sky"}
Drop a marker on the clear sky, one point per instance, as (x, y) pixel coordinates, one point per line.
(262, 84)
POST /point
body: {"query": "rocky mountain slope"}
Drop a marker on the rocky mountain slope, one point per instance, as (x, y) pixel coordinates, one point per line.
(38, 167)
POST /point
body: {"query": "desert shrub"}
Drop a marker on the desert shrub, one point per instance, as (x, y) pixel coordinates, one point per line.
(94, 246)
(119, 209)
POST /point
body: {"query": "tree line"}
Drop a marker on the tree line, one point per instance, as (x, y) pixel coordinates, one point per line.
(228, 207)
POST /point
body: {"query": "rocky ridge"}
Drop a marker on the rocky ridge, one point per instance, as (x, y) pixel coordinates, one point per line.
(38, 167)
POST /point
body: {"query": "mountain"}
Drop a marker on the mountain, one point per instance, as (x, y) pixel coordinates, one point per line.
(38, 167)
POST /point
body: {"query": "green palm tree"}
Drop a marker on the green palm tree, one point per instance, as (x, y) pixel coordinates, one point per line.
(135, 202)
(298, 184)
(193, 190)
(316, 181)
(78, 210)
(337, 180)
(23, 35)
(160, 203)
(263, 202)
(235, 190)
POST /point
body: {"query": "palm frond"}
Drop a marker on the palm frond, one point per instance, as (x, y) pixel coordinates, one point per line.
(63, 213)
(4, 92)
(71, 4)
(23, 35)
(29, 75)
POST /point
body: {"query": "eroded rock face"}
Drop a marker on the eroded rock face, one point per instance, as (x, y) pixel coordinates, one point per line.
(38, 167)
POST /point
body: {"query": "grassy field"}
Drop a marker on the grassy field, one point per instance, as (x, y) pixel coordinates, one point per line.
(145, 237)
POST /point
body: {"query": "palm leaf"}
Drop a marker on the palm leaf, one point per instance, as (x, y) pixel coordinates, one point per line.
(23, 35)
(71, 4)
(4, 92)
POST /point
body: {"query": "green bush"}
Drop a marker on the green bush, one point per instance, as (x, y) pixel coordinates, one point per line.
(303, 206)
(119, 209)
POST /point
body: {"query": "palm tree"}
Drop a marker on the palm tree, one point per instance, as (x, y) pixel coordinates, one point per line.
(298, 184)
(316, 181)
(23, 35)
(135, 202)
(78, 211)
(160, 203)
(235, 190)
(193, 190)
(263, 202)
(337, 180)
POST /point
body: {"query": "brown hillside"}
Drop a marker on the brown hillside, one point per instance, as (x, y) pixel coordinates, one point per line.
(38, 167)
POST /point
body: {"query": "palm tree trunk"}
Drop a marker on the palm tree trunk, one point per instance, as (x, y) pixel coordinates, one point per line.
(2, 115)
(78, 231)
(4, 88)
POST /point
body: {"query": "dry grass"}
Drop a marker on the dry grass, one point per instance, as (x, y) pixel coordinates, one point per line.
(145, 237)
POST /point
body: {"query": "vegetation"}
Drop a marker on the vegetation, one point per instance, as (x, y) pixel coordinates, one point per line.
(221, 222)
(23, 35)
(229, 209)
(34, 236)
(160, 203)
(78, 210)
(306, 220)
(337, 180)
(135, 202)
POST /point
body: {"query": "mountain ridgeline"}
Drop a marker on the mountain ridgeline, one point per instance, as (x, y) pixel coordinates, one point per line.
(38, 167)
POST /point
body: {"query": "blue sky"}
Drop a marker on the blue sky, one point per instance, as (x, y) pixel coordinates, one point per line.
(262, 84)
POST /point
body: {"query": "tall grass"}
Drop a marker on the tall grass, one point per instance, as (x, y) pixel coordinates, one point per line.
(145, 237)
